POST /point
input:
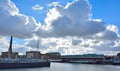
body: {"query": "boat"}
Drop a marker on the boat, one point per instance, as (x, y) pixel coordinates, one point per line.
(116, 62)
(15, 62)
(23, 63)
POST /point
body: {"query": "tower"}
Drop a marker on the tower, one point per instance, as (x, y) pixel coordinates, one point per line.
(10, 47)
(10, 54)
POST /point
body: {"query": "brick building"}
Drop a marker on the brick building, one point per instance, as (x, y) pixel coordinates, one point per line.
(33, 54)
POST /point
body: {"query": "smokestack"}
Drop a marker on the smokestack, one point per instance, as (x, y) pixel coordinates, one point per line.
(10, 47)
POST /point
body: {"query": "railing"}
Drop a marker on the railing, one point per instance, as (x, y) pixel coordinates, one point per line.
(23, 60)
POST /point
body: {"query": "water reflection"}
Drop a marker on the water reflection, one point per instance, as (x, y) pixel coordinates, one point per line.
(70, 67)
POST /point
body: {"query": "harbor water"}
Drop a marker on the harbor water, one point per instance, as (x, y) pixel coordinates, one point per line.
(70, 67)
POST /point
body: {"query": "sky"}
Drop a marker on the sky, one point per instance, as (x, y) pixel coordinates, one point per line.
(65, 26)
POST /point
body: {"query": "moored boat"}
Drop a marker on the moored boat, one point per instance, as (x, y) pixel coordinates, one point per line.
(11, 60)
(23, 63)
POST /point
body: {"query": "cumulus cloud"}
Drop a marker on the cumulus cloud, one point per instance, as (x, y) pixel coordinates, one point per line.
(109, 46)
(75, 20)
(110, 34)
(14, 23)
(72, 20)
(112, 28)
(37, 7)
(107, 35)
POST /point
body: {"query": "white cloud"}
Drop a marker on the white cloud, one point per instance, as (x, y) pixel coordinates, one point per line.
(110, 34)
(76, 41)
(72, 20)
(37, 7)
(112, 28)
(14, 23)
(53, 4)
(21, 48)
(3, 44)
(108, 46)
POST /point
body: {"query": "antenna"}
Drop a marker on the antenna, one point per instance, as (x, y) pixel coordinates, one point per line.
(37, 45)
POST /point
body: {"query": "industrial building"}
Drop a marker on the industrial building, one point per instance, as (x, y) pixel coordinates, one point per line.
(10, 53)
(85, 58)
(33, 54)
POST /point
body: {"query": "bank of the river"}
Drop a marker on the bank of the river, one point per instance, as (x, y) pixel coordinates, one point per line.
(71, 67)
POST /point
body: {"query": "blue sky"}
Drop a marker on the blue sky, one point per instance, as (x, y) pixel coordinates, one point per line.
(107, 10)
(65, 27)
(25, 7)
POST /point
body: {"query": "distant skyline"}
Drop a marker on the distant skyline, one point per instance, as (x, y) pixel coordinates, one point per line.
(65, 26)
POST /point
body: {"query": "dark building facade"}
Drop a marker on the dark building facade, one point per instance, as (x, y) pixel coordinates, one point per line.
(33, 54)
(84, 57)
(12, 55)
(52, 55)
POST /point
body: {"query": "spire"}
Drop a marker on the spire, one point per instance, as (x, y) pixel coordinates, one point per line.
(10, 47)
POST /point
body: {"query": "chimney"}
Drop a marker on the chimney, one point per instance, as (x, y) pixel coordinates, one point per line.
(10, 47)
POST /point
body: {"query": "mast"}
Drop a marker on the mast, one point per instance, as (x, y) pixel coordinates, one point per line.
(37, 44)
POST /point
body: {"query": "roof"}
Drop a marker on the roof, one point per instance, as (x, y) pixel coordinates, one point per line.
(84, 56)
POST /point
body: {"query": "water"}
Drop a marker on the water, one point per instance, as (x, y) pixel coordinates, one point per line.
(70, 67)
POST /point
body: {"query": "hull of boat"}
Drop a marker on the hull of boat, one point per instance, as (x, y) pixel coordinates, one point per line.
(116, 63)
(24, 65)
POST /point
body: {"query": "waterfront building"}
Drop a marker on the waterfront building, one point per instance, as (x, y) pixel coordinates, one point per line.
(33, 54)
(52, 55)
(117, 57)
(83, 58)
(12, 55)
